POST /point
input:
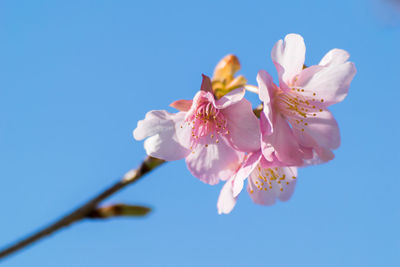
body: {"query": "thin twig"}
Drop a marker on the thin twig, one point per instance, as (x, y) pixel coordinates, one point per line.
(84, 210)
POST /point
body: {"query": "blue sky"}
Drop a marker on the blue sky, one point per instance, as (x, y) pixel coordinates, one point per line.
(76, 76)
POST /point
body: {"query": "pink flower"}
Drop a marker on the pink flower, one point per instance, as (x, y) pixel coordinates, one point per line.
(211, 134)
(265, 183)
(297, 127)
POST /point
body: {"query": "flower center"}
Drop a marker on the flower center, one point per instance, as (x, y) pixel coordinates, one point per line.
(267, 179)
(297, 105)
(207, 121)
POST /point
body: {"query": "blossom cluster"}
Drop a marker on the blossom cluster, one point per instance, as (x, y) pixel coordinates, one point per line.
(221, 137)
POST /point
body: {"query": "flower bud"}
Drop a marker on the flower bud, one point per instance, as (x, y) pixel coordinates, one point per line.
(223, 80)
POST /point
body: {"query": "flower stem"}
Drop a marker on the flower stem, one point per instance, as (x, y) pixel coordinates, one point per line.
(85, 209)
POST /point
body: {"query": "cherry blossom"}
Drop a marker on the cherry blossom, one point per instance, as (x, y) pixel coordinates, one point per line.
(265, 184)
(297, 127)
(211, 134)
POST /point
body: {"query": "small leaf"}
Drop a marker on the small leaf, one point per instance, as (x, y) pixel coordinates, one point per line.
(226, 68)
(224, 80)
(134, 210)
(118, 210)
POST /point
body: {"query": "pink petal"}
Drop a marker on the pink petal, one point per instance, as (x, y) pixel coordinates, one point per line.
(206, 85)
(321, 130)
(306, 74)
(334, 57)
(166, 139)
(264, 195)
(324, 154)
(244, 171)
(288, 57)
(282, 144)
(261, 197)
(226, 200)
(230, 98)
(272, 162)
(288, 189)
(331, 84)
(215, 161)
(243, 126)
(320, 155)
(266, 91)
(182, 105)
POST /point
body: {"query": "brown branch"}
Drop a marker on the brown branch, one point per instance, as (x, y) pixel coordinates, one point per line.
(86, 209)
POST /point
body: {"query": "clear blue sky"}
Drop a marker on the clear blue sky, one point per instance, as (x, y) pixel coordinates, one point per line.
(76, 76)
